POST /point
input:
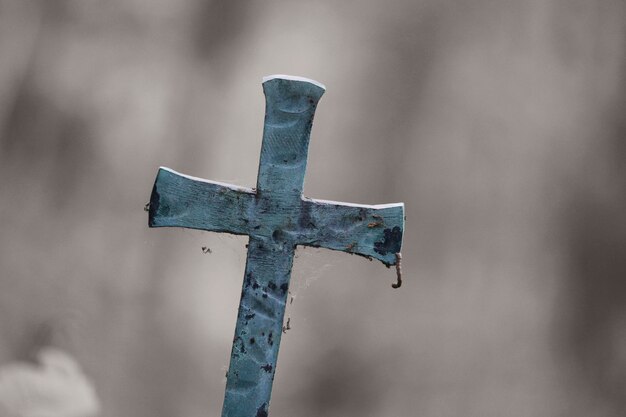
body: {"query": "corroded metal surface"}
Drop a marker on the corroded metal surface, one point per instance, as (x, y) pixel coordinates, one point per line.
(277, 218)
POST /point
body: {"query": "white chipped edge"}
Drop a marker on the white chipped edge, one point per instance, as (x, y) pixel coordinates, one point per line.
(314, 200)
(370, 206)
(223, 184)
(293, 78)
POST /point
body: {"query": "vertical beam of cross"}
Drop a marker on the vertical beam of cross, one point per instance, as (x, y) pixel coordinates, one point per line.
(277, 218)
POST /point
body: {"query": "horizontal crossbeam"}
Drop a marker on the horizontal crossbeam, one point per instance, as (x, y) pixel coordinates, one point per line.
(373, 231)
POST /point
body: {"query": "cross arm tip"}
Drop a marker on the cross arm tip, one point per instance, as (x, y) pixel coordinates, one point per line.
(373, 231)
(179, 200)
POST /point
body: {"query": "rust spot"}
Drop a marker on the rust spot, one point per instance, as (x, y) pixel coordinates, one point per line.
(398, 271)
(374, 224)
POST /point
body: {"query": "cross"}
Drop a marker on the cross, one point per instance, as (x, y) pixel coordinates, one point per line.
(277, 218)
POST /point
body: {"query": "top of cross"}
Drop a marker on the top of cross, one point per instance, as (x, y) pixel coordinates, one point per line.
(293, 78)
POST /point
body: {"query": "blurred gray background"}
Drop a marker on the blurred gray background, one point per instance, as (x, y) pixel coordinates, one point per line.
(500, 124)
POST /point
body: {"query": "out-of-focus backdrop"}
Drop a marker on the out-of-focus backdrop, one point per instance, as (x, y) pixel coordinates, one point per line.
(501, 125)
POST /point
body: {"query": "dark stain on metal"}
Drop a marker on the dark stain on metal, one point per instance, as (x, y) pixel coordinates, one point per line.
(239, 341)
(262, 411)
(153, 206)
(306, 220)
(392, 240)
(271, 285)
(250, 281)
(279, 235)
(284, 288)
(267, 368)
(252, 341)
(270, 339)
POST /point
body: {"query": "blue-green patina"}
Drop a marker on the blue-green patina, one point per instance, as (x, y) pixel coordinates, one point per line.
(277, 218)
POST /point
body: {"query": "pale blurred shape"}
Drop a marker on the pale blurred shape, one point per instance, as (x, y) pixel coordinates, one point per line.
(56, 387)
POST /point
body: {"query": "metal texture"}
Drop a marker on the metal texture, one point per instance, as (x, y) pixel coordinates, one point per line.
(277, 218)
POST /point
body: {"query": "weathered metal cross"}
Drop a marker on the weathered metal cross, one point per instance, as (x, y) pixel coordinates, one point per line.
(276, 217)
